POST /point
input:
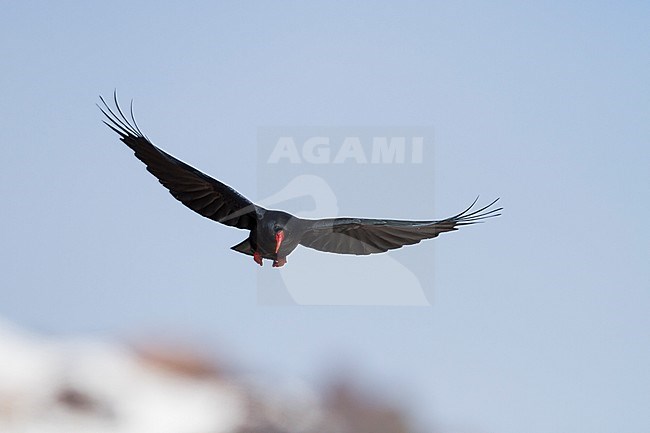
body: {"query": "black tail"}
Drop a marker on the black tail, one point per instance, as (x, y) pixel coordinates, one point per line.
(244, 247)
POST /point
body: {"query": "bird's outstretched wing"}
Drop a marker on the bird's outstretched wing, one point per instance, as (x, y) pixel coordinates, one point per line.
(198, 191)
(369, 236)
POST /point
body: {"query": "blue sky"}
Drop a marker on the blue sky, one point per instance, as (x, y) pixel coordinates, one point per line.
(540, 319)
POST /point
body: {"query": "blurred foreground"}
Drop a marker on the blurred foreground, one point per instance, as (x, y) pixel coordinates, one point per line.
(51, 385)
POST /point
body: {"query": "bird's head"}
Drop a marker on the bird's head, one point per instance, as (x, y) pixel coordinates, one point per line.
(277, 227)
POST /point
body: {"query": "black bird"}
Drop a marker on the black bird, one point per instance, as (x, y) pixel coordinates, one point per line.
(275, 234)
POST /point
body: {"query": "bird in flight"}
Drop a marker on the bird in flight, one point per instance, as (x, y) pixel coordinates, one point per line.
(275, 234)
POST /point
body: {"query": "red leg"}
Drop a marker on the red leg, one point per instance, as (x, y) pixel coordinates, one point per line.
(258, 258)
(279, 262)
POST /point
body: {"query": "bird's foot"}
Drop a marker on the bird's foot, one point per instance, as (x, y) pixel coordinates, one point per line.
(278, 263)
(258, 258)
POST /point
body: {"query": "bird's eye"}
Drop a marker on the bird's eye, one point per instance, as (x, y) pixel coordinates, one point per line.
(276, 227)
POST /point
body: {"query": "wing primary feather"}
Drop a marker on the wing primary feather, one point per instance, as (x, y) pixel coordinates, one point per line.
(126, 128)
(119, 109)
(120, 133)
(484, 208)
(470, 206)
(466, 210)
(115, 118)
(135, 124)
(476, 215)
